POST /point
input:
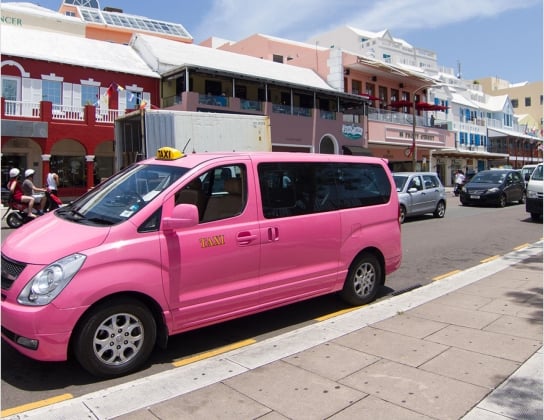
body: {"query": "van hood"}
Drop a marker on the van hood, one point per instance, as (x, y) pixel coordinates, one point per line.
(49, 238)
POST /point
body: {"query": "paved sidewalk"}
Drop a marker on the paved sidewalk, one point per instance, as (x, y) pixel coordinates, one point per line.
(468, 346)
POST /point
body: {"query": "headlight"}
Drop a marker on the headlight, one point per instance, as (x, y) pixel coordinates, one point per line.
(532, 194)
(493, 190)
(49, 282)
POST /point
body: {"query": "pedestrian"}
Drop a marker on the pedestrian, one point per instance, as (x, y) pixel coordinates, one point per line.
(16, 189)
(52, 193)
(459, 181)
(29, 189)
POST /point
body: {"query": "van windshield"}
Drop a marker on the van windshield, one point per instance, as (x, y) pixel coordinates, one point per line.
(123, 195)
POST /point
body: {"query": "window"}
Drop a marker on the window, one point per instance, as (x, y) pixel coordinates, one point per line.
(277, 58)
(528, 101)
(133, 99)
(89, 95)
(52, 91)
(515, 103)
(10, 88)
(291, 189)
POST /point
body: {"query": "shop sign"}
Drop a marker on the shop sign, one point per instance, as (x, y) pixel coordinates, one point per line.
(352, 131)
(10, 20)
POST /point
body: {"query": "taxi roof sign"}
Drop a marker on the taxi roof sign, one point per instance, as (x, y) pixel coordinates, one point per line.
(168, 153)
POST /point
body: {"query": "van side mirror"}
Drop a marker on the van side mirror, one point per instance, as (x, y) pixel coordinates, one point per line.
(183, 216)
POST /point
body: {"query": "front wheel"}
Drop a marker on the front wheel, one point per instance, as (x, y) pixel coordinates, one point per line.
(115, 338)
(14, 220)
(523, 197)
(363, 280)
(440, 210)
(502, 201)
(402, 214)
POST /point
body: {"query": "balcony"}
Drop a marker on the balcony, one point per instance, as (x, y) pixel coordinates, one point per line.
(47, 112)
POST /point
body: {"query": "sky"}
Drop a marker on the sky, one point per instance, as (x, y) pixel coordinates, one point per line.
(500, 38)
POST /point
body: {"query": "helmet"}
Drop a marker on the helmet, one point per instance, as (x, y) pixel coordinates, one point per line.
(29, 172)
(14, 172)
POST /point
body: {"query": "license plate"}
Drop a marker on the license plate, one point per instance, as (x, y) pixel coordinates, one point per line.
(475, 197)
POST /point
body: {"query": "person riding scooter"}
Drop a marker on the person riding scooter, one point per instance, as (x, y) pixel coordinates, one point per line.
(16, 189)
(30, 189)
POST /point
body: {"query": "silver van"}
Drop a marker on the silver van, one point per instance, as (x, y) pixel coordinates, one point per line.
(533, 203)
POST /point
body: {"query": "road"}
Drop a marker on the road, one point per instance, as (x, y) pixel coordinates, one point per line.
(432, 248)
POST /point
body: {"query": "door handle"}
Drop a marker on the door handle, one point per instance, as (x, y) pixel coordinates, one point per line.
(245, 238)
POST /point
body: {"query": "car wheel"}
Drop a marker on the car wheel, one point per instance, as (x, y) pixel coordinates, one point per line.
(502, 201)
(440, 210)
(363, 280)
(115, 338)
(402, 214)
(523, 197)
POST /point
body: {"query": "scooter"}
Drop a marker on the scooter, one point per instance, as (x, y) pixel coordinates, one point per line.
(16, 214)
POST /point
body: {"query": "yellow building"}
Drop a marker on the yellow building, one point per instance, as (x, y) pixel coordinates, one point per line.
(526, 98)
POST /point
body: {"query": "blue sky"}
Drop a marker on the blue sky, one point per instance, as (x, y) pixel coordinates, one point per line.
(501, 38)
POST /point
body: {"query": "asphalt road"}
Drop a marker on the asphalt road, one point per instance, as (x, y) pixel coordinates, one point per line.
(431, 248)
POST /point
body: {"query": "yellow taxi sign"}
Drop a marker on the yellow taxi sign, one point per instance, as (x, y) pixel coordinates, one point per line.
(168, 153)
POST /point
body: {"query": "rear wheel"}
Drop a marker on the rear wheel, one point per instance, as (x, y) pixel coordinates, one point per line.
(115, 338)
(440, 210)
(363, 280)
(402, 214)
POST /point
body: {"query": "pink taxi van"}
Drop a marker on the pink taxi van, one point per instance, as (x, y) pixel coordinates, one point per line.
(177, 242)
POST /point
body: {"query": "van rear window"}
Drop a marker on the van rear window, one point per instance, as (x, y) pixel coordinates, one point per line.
(291, 189)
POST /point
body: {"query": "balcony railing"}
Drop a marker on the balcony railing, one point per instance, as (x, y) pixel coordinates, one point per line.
(22, 109)
(64, 112)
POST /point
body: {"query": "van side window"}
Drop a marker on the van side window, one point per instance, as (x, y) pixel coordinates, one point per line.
(219, 193)
(291, 189)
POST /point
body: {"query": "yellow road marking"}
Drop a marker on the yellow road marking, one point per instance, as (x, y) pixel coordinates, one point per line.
(214, 352)
(521, 247)
(494, 257)
(34, 405)
(443, 276)
(340, 312)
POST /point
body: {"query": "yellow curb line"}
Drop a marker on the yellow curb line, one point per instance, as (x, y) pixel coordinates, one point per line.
(334, 314)
(214, 352)
(521, 247)
(494, 257)
(443, 276)
(37, 404)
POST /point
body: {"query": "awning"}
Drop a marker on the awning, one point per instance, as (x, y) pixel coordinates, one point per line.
(460, 153)
(501, 132)
(369, 97)
(356, 151)
(400, 104)
(425, 106)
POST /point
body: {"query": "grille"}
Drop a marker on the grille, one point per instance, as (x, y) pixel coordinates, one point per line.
(10, 272)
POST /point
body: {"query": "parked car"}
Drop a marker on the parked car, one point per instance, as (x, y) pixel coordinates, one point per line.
(420, 193)
(494, 187)
(526, 172)
(535, 192)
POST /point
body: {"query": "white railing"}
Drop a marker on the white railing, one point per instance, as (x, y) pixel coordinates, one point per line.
(22, 109)
(109, 116)
(64, 112)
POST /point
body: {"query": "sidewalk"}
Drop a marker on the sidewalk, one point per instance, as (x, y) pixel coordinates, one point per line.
(468, 346)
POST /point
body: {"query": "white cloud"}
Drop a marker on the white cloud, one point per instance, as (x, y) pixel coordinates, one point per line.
(301, 19)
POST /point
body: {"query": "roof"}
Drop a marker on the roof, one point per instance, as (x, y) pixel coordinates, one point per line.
(31, 8)
(75, 50)
(167, 57)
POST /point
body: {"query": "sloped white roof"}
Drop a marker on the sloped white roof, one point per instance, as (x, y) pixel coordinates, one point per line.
(374, 35)
(70, 49)
(461, 100)
(165, 56)
(495, 103)
(34, 9)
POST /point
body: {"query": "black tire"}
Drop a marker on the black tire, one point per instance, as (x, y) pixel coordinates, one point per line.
(523, 197)
(108, 352)
(440, 210)
(535, 217)
(402, 214)
(502, 201)
(363, 280)
(14, 220)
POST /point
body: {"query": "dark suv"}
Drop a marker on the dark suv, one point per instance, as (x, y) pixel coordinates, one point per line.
(494, 187)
